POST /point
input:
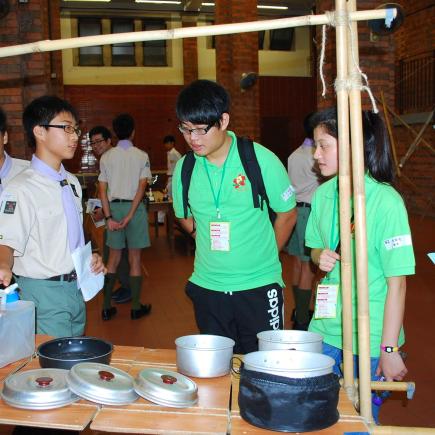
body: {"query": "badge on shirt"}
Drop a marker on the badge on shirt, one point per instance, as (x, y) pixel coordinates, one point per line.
(220, 236)
(326, 301)
(10, 207)
(8, 203)
(73, 187)
(288, 193)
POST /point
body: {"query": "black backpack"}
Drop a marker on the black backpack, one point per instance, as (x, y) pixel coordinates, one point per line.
(250, 164)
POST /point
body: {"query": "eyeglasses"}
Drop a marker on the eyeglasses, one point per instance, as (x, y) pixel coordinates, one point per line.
(195, 131)
(96, 142)
(70, 129)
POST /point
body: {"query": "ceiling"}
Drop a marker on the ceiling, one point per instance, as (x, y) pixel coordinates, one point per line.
(290, 7)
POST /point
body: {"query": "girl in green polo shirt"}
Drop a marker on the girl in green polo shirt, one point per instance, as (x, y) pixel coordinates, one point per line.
(390, 252)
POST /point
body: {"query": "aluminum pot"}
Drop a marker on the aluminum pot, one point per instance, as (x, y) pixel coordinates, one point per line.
(291, 340)
(204, 356)
(289, 363)
(64, 353)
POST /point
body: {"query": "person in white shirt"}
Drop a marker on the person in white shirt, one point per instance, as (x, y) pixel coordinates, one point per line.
(305, 179)
(9, 167)
(172, 157)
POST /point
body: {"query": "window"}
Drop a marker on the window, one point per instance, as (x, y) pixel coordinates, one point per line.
(261, 34)
(154, 52)
(123, 53)
(90, 56)
(282, 39)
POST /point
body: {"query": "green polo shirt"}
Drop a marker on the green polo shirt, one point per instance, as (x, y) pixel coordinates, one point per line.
(389, 253)
(252, 260)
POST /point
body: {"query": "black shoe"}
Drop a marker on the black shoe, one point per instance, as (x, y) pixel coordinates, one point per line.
(140, 312)
(109, 313)
(121, 295)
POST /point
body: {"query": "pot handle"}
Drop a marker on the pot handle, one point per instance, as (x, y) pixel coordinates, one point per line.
(236, 364)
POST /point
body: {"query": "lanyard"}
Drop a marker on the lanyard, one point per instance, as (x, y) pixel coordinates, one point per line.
(217, 197)
(334, 217)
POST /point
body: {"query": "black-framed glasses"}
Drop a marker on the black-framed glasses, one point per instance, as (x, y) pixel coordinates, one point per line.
(196, 131)
(96, 142)
(70, 129)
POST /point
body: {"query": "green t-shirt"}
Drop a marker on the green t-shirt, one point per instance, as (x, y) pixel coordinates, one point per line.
(252, 260)
(389, 253)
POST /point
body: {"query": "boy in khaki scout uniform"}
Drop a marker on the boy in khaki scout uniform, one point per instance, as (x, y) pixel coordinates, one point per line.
(124, 171)
(41, 222)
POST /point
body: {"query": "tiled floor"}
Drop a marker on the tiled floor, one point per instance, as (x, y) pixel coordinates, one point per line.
(172, 316)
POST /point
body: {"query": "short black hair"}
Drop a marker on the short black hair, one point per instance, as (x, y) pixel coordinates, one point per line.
(100, 129)
(377, 151)
(123, 126)
(169, 138)
(41, 111)
(202, 102)
(3, 120)
(308, 127)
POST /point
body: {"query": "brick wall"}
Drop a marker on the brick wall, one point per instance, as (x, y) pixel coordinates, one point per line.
(22, 78)
(190, 53)
(235, 55)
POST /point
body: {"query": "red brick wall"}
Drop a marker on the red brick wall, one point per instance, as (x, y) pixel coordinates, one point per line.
(235, 55)
(22, 78)
(190, 54)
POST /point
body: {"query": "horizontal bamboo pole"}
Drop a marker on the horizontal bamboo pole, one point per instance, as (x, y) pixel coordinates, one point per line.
(392, 386)
(396, 430)
(185, 32)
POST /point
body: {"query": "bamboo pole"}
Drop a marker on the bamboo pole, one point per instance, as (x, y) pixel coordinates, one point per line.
(390, 133)
(178, 33)
(396, 430)
(358, 172)
(344, 195)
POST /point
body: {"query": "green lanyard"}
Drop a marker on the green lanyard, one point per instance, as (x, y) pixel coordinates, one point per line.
(334, 213)
(216, 198)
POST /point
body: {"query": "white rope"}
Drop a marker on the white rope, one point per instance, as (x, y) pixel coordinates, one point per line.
(322, 61)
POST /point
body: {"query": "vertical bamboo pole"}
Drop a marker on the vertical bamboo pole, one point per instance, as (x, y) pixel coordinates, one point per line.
(344, 191)
(358, 171)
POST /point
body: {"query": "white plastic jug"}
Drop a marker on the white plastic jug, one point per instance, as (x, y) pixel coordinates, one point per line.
(17, 331)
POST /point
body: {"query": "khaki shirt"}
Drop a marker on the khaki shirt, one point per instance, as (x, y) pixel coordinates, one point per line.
(122, 169)
(33, 224)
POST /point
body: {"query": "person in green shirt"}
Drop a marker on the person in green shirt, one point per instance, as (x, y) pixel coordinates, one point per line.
(236, 285)
(389, 245)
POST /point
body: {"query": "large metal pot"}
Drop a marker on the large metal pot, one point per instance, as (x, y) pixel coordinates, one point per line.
(290, 339)
(289, 363)
(64, 353)
(204, 356)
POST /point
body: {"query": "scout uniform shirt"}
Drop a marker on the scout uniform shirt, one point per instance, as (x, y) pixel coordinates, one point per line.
(122, 169)
(18, 166)
(389, 253)
(252, 259)
(33, 224)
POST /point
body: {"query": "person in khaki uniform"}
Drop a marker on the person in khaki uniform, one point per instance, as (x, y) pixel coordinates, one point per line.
(124, 171)
(9, 167)
(41, 222)
(101, 141)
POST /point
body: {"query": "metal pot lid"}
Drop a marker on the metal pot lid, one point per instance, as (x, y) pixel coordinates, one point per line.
(166, 388)
(101, 383)
(290, 336)
(38, 389)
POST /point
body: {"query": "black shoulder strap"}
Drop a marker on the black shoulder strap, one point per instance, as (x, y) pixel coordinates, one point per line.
(252, 168)
(186, 174)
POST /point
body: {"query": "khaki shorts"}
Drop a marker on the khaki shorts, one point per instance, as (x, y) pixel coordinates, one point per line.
(296, 245)
(136, 233)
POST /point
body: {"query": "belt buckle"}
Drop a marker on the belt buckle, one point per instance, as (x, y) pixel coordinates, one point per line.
(72, 276)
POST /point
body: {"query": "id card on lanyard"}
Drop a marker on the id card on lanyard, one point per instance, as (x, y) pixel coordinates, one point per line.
(219, 228)
(327, 294)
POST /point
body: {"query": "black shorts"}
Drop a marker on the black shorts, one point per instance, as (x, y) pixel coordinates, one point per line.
(239, 315)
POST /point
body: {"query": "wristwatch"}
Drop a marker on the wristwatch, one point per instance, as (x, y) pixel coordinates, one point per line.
(389, 349)
(106, 218)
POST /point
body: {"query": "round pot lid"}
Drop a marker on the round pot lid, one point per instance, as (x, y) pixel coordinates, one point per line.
(101, 383)
(38, 389)
(166, 388)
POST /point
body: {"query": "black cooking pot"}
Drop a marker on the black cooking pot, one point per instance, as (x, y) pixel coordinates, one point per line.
(63, 353)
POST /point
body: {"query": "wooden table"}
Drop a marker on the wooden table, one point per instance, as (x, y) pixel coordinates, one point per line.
(165, 206)
(210, 416)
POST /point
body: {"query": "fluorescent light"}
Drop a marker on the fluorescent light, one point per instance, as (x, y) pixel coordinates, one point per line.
(105, 1)
(207, 4)
(271, 7)
(160, 2)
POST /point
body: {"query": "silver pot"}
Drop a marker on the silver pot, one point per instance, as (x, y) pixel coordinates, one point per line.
(204, 356)
(290, 339)
(289, 363)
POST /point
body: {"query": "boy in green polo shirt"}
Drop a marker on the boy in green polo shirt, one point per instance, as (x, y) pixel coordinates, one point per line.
(236, 285)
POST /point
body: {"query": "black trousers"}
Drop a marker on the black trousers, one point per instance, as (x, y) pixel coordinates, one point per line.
(239, 315)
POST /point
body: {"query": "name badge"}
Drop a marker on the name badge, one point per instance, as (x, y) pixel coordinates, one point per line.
(326, 301)
(220, 236)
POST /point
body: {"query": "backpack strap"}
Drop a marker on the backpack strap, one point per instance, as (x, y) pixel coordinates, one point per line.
(186, 175)
(252, 168)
